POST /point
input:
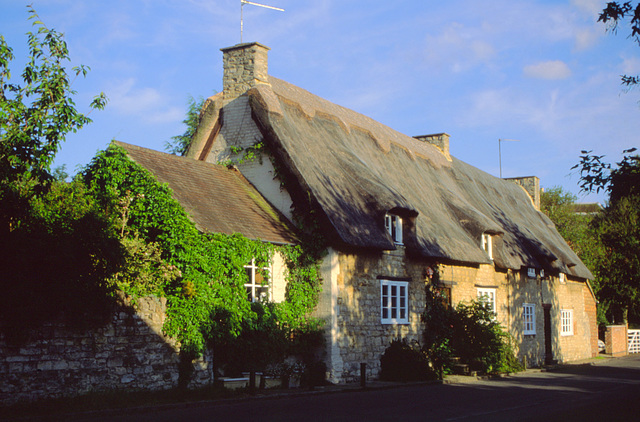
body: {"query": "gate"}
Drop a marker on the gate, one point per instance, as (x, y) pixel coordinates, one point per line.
(633, 337)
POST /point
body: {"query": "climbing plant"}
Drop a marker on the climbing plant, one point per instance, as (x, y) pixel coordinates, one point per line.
(205, 288)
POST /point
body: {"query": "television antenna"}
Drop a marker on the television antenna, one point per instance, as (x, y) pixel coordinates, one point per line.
(242, 3)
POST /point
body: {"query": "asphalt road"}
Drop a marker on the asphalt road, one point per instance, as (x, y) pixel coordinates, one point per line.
(605, 390)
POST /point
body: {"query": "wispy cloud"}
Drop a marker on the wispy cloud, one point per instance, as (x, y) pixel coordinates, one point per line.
(553, 69)
(126, 98)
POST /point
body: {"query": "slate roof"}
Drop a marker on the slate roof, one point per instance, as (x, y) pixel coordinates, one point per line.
(217, 198)
(358, 169)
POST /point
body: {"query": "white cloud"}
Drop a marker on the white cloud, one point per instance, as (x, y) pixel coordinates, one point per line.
(553, 69)
(631, 66)
(459, 48)
(127, 99)
(586, 38)
(593, 7)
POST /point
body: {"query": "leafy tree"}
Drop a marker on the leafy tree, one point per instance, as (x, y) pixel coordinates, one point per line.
(613, 15)
(35, 117)
(58, 250)
(575, 228)
(618, 230)
(56, 263)
(179, 144)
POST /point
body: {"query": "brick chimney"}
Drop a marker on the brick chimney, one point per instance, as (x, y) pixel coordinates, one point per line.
(440, 140)
(531, 184)
(245, 66)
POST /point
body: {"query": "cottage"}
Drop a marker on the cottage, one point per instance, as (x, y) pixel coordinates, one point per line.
(392, 208)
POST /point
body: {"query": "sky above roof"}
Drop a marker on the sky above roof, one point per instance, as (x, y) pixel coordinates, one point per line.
(544, 72)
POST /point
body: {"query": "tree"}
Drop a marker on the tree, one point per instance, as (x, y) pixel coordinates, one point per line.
(618, 230)
(179, 144)
(58, 248)
(575, 228)
(35, 117)
(612, 15)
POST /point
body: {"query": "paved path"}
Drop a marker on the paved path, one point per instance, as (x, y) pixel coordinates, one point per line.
(602, 390)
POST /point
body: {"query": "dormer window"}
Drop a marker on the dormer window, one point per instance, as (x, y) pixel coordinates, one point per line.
(487, 245)
(531, 272)
(393, 224)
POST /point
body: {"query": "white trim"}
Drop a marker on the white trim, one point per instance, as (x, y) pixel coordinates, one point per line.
(563, 278)
(487, 296)
(487, 244)
(394, 302)
(531, 272)
(566, 322)
(258, 292)
(393, 225)
(528, 319)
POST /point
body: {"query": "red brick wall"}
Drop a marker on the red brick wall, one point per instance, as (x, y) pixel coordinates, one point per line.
(616, 340)
(591, 312)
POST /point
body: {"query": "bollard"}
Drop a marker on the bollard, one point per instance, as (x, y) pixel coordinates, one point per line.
(363, 375)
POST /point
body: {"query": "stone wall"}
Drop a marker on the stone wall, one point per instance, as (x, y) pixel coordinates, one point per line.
(128, 353)
(350, 303)
(357, 334)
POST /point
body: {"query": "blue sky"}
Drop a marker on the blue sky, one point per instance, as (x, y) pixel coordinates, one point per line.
(542, 72)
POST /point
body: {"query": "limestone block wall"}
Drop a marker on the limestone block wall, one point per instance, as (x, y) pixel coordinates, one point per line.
(513, 290)
(357, 335)
(129, 353)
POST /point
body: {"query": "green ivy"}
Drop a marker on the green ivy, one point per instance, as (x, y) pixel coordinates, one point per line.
(205, 274)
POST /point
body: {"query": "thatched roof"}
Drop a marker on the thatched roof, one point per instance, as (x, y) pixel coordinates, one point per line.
(358, 169)
(218, 199)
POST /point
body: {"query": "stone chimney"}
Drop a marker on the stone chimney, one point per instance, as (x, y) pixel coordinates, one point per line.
(440, 140)
(245, 66)
(531, 184)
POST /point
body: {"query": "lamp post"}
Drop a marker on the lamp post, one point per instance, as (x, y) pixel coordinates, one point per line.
(500, 141)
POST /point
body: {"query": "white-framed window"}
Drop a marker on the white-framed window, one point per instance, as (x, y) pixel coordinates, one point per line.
(394, 302)
(393, 224)
(487, 244)
(531, 272)
(563, 278)
(258, 286)
(566, 321)
(529, 319)
(488, 297)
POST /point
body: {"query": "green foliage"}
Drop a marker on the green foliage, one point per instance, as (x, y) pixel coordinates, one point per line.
(478, 339)
(249, 154)
(61, 256)
(404, 361)
(575, 228)
(260, 343)
(179, 144)
(144, 273)
(615, 13)
(618, 231)
(202, 275)
(36, 116)
(597, 175)
(59, 249)
(468, 331)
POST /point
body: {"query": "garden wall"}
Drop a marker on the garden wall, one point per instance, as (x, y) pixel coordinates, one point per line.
(130, 352)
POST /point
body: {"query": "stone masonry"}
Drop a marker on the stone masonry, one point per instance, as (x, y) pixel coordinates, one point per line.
(129, 353)
(356, 335)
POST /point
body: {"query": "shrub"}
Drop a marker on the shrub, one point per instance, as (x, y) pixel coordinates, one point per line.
(404, 361)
